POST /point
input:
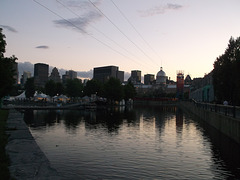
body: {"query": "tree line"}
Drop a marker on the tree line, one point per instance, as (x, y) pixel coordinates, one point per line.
(112, 90)
(226, 74)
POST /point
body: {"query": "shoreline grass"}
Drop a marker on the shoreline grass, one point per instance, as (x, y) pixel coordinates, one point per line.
(4, 161)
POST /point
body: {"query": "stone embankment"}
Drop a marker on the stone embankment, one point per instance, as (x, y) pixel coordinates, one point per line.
(226, 124)
(27, 161)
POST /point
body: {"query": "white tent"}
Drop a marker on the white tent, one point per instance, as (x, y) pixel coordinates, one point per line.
(41, 96)
(21, 96)
(62, 98)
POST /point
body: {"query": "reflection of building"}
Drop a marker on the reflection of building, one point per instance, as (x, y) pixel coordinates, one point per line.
(40, 74)
(103, 74)
(135, 77)
(148, 79)
(55, 75)
(25, 76)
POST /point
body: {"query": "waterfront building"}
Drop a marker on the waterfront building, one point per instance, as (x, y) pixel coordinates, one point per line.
(40, 74)
(161, 77)
(103, 74)
(148, 79)
(180, 84)
(55, 75)
(202, 89)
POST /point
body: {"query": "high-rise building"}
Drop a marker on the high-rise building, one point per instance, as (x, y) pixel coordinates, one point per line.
(72, 74)
(120, 76)
(40, 74)
(103, 74)
(135, 77)
(148, 79)
(55, 75)
(15, 69)
(25, 76)
(69, 75)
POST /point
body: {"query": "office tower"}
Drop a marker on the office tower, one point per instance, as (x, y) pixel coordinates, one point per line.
(15, 69)
(72, 74)
(103, 74)
(148, 79)
(25, 76)
(135, 77)
(40, 74)
(55, 75)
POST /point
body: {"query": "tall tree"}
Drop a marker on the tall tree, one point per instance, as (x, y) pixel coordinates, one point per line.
(59, 88)
(129, 91)
(93, 87)
(50, 88)
(7, 71)
(74, 87)
(226, 78)
(113, 89)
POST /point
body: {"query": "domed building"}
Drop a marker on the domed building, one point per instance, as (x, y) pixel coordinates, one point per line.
(161, 77)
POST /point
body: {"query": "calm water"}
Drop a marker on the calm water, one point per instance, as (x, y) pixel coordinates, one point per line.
(136, 143)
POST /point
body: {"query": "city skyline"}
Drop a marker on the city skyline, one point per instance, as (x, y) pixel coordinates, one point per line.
(137, 35)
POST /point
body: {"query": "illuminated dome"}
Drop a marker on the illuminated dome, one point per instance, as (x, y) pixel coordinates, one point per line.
(161, 73)
(161, 77)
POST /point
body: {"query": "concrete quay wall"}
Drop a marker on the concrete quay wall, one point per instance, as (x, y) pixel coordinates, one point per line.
(27, 161)
(227, 125)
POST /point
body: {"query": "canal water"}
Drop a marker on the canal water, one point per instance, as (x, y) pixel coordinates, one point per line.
(144, 142)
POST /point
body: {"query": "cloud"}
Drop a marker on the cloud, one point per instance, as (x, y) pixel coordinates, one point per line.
(82, 5)
(79, 23)
(87, 15)
(159, 10)
(42, 47)
(9, 28)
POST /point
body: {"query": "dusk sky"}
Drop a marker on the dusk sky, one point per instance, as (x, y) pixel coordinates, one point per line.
(141, 35)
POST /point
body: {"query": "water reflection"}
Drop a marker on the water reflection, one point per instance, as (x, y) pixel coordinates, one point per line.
(143, 142)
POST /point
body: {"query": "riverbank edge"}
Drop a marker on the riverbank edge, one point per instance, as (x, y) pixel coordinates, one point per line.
(227, 125)
(27, 161)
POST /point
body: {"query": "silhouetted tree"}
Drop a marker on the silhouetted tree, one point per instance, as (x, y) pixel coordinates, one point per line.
(50, 88)
(113, 89)
(29, 87)
(6, 69)
(59, 88)
(226, 78)
(93, 87)
(129, 91)
(74, 88)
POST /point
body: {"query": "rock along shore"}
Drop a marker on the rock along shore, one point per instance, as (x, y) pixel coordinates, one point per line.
(27, 161)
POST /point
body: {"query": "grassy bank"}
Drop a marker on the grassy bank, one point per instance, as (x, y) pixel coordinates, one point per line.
(4, 161)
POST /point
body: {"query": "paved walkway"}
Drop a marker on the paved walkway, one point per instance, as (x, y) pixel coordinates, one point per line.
(27, 161)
